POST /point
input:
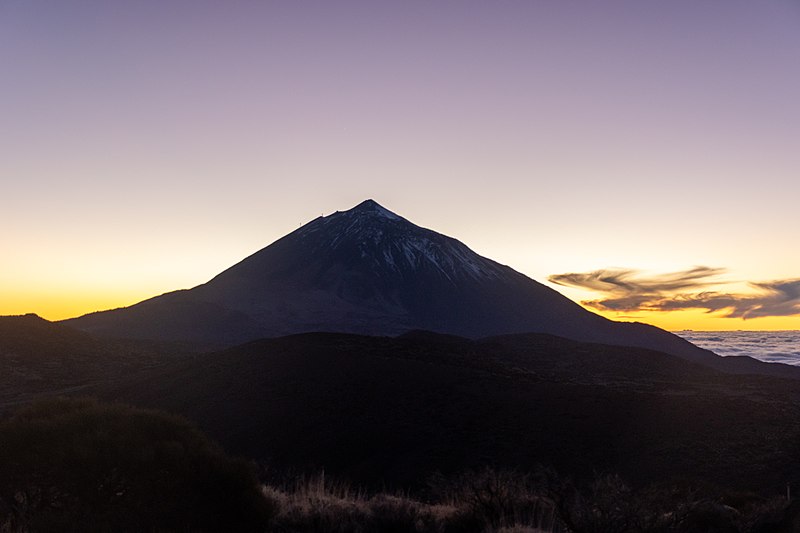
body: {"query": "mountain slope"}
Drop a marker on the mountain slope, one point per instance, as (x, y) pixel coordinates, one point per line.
(370, 271)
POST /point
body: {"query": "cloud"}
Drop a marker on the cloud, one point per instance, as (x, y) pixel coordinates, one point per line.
(627, 290)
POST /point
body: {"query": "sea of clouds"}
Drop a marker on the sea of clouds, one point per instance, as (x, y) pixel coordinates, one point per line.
(770, 346)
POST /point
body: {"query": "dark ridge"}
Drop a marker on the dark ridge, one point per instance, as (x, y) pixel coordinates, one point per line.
(38, 357)
(388, 412)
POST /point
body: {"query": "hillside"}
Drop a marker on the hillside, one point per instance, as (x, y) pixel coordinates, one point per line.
(392, 411)
(39, 357)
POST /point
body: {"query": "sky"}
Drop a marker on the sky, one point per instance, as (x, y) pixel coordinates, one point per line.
(640, 157)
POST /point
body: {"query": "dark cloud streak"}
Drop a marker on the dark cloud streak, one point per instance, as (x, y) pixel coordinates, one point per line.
(626, 290)
(626, 281)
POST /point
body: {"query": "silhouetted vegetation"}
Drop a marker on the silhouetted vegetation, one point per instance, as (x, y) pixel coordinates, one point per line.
(609, 505)
(464, 504)
(489, 500)
(385, 414)
(77, 465)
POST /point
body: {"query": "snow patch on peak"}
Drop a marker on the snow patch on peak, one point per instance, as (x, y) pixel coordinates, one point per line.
(452, 259)
(384, 240)
(382, 211)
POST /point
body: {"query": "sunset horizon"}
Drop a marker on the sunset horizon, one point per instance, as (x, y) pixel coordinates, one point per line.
(412, 266)
(70, 302)
(554, 138)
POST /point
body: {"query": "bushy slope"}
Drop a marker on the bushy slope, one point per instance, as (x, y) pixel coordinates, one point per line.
(76, 465)
(393, 410)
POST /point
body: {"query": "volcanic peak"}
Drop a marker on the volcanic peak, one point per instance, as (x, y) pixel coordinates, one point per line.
(389, 241)
(370, 207)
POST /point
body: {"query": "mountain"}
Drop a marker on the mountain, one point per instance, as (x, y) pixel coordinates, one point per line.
(370, 271)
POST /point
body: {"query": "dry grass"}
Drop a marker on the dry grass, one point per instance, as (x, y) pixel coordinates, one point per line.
(318, 504)
(489, 501)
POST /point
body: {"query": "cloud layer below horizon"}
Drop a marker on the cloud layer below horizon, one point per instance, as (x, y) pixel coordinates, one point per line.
(629, 290)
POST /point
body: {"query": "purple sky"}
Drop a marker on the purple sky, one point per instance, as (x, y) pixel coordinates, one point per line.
(147, 145)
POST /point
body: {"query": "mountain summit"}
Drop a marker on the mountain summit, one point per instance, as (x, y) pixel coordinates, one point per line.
(369, 271)
(371, 238)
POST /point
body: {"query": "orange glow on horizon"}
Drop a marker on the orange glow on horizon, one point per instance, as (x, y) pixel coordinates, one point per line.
(67, 304)
(61, 305)
(701, 321)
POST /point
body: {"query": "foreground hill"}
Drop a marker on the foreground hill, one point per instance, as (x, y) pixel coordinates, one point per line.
(77, 465)
(370, 271)
(380, 410)
(392, 411)
(39, 357)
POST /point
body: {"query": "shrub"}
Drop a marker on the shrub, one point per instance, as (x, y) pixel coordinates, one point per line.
(491, 499)
(320, 505)
(79, 465)
(609, 505)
